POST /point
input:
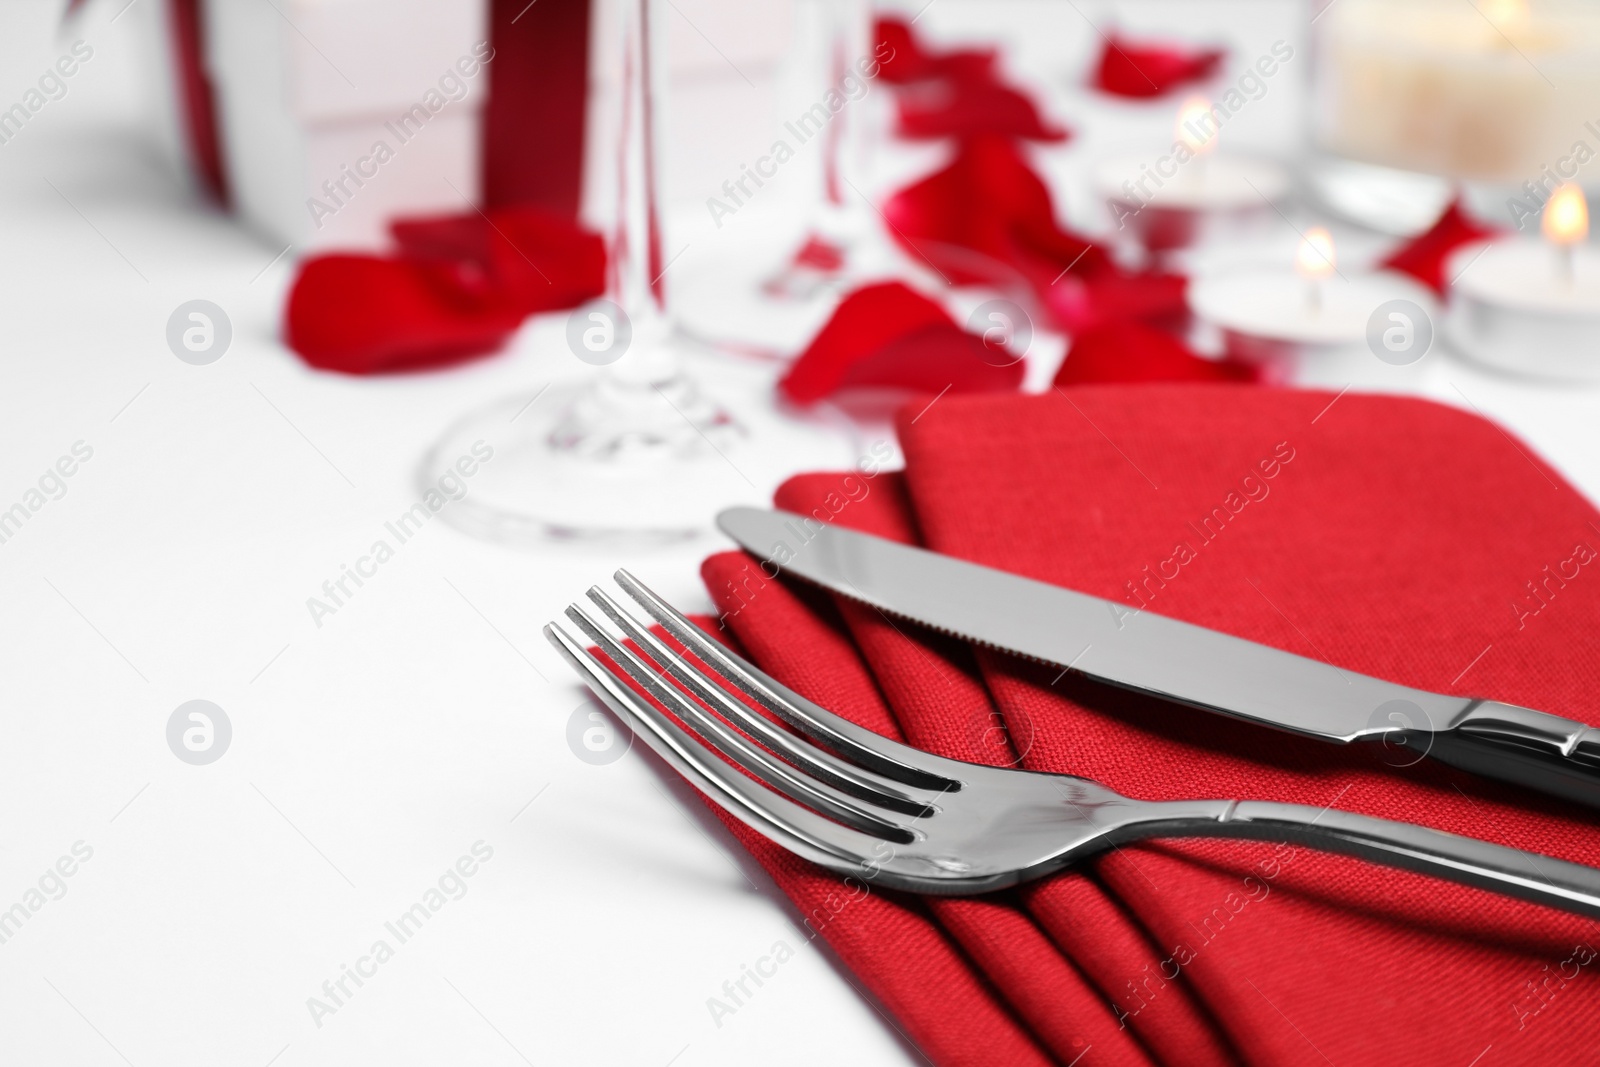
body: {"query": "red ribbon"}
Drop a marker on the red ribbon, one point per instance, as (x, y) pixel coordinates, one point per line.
(196, 98)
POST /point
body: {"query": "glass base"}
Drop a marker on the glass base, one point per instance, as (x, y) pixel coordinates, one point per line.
(744, 303)
(606, 460)
(1388, 201)
(725, 305)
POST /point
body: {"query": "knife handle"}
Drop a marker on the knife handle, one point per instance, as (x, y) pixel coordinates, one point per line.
(1529, 748)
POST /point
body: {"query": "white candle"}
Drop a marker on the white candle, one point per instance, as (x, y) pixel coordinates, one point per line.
(1276, 307)
(1288, 321)
(1532, 306)
(1208, 184)
(1496, 91)
(1167, 198)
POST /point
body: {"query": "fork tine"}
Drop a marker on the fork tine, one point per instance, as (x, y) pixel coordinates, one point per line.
(782, 821)
(722, 738)
(843, 776)
(888, 758)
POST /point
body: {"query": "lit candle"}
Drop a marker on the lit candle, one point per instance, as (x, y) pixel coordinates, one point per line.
(1194, 117)
(1314, 261)
(1311, 321)
(1566, 223)
(1168, 198)
(1532, 306)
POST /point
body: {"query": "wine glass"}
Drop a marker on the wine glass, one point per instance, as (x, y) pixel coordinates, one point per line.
(843, 240)
(772, 309)
(633, 447)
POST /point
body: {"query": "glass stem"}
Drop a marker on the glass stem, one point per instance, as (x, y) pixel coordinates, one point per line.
(635, 267)
(845, 40)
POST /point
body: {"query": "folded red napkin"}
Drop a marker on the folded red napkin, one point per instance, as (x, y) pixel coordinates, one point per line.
(1141, 69)
(1386, 535)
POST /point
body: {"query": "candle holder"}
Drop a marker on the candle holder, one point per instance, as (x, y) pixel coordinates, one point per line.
(1515, 308)
(1191, 193)
(1418, 101)
(1532, 307)
(1317, 324)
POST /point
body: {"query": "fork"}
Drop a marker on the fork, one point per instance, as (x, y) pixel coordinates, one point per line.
(860, 804)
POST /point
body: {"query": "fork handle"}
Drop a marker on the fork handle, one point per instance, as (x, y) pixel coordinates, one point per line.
(1526, 875)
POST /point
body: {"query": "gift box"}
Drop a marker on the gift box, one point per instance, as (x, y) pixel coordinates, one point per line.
(181, 120)
(321, 122)
(338, 115)
(276, 108)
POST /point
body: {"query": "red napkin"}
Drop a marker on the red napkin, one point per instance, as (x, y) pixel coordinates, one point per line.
(1134, 352)
(1324, 526)
(459, 286)
(888, 334)
(1424, 256)
(1130, 68)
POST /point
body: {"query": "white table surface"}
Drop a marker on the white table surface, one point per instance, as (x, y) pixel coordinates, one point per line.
(372, 752)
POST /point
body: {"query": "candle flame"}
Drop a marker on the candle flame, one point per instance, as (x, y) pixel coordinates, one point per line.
(1314, 259)
(1502, 11)
(1197, 125)
(1566, 216)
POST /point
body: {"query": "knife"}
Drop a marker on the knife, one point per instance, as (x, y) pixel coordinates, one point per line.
(1176, 661)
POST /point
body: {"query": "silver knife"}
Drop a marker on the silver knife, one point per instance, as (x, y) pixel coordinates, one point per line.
(1177, 661)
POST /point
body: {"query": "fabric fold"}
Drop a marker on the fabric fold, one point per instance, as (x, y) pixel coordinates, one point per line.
(893, 942)
(1331, 531)
(938, 696)
(1230, 507)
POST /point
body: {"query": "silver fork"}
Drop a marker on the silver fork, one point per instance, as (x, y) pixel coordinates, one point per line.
(859, 804)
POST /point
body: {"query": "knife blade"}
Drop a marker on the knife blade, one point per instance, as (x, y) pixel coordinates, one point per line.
(1174, 660)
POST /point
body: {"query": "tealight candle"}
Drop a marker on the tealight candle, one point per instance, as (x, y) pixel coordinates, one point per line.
(1313, 259)
(1565, 224)
(1170, 200)
(1292, 322)
(1531, 306)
